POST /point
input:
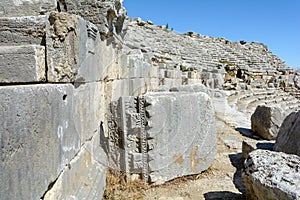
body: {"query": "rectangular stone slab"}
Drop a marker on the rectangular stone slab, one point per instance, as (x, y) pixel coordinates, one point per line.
(22, 30)
(12, 8)
(38, 138)
(183, 134)
(21, 64)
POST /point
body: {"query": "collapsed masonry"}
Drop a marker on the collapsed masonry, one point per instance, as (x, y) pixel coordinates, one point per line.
(79, 93)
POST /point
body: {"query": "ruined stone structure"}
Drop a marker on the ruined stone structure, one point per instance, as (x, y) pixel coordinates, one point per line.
(84, 89)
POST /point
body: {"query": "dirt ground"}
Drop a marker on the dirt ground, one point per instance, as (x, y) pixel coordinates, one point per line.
(221, 181)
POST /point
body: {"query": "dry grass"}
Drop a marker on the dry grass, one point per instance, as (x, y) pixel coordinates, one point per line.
(118, 188)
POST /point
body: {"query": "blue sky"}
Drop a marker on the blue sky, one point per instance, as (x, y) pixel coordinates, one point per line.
(275, 23)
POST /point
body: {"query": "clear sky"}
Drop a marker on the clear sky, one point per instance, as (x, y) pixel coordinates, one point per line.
(275, 23)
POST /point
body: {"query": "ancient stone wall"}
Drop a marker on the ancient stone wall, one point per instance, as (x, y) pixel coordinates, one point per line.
(79, 83)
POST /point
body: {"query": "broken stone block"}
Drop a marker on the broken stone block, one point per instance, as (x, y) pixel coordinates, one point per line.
(73, 49)
(21, 64)
(288, 139)
(162, 136)
(23, 30)
(38, 138)
(266, 121)
(18, 8)
(249, 146)
(182, 128)
(271, 175)
(107, 15)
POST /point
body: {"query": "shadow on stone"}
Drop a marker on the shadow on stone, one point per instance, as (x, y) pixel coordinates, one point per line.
(247, 132)
(238, 162)
(223, 195)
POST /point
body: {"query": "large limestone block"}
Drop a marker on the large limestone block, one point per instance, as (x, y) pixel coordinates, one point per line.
(266, 121)
(272, 175)
(73, 49)
(84, 177)
(13, 8)
(22, 30)
(38, 138)
(182, 132)
(21, 64)
(162, 136)
(288, 139)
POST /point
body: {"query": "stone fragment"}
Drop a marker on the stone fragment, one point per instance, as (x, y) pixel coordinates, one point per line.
(288, 139)
(73, 49)
(249, 146)
(272, 175)
(23, 30)
(162, 136)
(19, 8)
(266, 121)
(21, 64)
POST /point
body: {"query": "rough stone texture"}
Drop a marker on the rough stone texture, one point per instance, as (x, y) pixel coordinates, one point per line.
(162, 135)
(13, 8)
(38, 138)
(182, 128)
(45, 127)
(288, 139)
(107, 15)
(272, 175)
(191, 88)
(84, 176)
(22, 64)
(266, 121)
(73, 52)
(249, 146)
(22, 30)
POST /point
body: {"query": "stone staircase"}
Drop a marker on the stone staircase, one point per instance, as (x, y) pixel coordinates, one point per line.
(246, 101)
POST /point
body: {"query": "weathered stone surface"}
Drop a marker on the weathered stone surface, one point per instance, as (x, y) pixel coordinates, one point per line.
(272, 175)
(13, 8)
(73, 50)
(46, 126)
(22, 64)
(88, 108)
(266, 121)
(249, 146)
(84, 176)
(191, 88)
(22, 30)
(182, 132)
(38, 138)
(164, 135)
(288, 139)
(107, 15)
